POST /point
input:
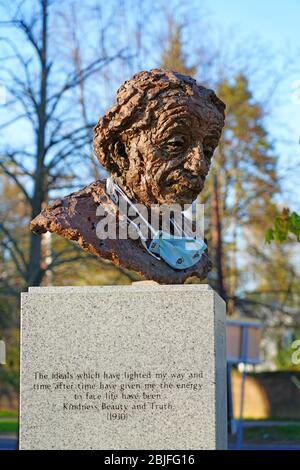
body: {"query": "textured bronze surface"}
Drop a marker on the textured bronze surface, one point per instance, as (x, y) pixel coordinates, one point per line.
(157, 142)
(158, 139)
(74, 217)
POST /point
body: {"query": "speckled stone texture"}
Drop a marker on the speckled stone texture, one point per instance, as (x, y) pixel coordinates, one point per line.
(176, 330)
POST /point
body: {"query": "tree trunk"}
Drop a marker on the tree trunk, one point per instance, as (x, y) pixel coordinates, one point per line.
(233, 274)
(217, 241)
(35, 271)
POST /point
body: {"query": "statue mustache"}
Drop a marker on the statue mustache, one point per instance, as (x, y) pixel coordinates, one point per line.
(172, 171)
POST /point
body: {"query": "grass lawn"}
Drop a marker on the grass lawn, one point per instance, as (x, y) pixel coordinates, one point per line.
(8, 422)
(285, 434)
(8, 427)
(279, 434)
(8, 414)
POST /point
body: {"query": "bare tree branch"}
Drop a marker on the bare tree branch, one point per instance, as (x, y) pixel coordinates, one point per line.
(16, 180)
(14, 243)
(21, 271)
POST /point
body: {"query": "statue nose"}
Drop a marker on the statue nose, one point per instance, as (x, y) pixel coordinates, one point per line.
(195, 161)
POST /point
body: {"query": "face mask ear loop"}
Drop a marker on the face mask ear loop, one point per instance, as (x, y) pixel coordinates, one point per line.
(112, 189)
(116, 189)
(176, 226)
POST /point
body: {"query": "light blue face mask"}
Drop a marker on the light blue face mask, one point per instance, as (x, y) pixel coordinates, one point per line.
(177, 252)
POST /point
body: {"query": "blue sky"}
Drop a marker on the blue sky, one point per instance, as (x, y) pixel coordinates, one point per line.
(274, 20)
(274, 24)
(277, 24)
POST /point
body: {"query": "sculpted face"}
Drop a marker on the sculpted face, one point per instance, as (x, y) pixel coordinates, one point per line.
(166, 160)
(160, 149)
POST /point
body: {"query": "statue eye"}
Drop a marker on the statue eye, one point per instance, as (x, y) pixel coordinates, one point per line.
(176, 143)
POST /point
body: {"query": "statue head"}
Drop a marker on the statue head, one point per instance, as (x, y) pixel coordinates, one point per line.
(158, 139)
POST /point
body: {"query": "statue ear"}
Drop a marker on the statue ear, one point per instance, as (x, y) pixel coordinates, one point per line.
(118, 158)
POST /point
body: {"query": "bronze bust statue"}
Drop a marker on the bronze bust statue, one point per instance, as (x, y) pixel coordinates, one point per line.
(156, 142)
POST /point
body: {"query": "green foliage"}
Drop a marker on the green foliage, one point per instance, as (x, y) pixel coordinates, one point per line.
(245, 154)
(285, 224)
(283, 360)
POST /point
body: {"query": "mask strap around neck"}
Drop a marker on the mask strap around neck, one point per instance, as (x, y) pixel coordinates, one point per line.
(113, 190)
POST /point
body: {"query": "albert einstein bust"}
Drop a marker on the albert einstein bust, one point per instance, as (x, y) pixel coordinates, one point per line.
(156, 142)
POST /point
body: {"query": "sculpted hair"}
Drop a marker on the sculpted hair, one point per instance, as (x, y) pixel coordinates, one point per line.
(136, 101)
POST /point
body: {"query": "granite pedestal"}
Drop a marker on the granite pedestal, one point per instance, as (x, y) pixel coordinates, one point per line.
(123, 367)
